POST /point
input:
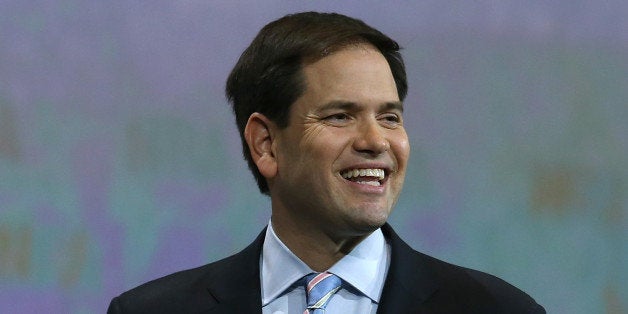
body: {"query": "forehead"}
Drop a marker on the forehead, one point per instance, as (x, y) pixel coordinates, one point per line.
(357, 73)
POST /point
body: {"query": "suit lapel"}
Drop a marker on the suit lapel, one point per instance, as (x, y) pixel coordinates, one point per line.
(409, 282)
(234, 283)
(417, 283)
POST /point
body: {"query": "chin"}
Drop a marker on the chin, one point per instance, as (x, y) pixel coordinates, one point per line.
(369, 224)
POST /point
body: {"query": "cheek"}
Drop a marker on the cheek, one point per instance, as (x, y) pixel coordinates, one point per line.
(323, 143)
(401, 148)
(313, 134)
(287, 154)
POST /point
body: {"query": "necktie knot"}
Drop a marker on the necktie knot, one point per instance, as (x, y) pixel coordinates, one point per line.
(320, 288)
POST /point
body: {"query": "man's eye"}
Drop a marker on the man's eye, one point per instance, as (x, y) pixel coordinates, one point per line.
(391, 118)
(338, 117)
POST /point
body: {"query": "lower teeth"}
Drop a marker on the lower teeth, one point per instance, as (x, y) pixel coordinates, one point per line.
(373, 183)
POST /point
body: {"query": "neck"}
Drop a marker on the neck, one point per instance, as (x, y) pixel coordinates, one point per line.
(319, 249)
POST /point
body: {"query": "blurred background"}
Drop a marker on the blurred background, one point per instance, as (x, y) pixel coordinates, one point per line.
(120, 161)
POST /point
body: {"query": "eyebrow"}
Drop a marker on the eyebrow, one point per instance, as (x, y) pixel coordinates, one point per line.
(347, 105)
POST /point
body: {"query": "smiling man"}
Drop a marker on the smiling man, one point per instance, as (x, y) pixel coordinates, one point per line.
(318, 102)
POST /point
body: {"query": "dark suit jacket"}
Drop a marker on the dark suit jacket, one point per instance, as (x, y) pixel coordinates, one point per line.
(416, 283)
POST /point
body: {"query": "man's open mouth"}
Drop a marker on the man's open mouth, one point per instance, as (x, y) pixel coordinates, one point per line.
(374, 177)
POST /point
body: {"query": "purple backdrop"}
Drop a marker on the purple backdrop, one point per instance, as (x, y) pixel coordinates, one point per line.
(120, 161)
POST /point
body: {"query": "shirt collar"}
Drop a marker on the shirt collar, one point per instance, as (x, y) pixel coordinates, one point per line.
(278, 259)
(364, 267)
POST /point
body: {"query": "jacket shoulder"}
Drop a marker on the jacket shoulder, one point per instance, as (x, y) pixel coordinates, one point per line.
(474, 291)
(416, 280)
(197, 289)
(508, 297)
(166, 294)
(476, 288)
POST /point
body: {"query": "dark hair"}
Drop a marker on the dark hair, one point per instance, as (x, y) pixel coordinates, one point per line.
(268, 78)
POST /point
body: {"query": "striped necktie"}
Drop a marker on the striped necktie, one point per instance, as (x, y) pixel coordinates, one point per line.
(320, 288)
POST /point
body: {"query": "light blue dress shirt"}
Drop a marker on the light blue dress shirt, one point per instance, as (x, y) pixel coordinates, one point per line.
(363, 272)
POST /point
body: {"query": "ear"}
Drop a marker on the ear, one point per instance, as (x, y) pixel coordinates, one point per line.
(259, 135)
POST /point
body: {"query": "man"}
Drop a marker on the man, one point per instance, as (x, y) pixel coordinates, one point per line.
(318, 103)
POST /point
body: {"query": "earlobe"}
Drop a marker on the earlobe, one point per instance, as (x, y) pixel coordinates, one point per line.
(258, 134)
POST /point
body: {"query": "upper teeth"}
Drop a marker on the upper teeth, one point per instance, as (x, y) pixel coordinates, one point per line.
(353, 173)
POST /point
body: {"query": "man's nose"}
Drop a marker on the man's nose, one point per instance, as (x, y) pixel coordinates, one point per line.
(370, 139)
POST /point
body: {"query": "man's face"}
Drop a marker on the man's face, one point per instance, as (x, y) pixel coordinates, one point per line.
(342, 158)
